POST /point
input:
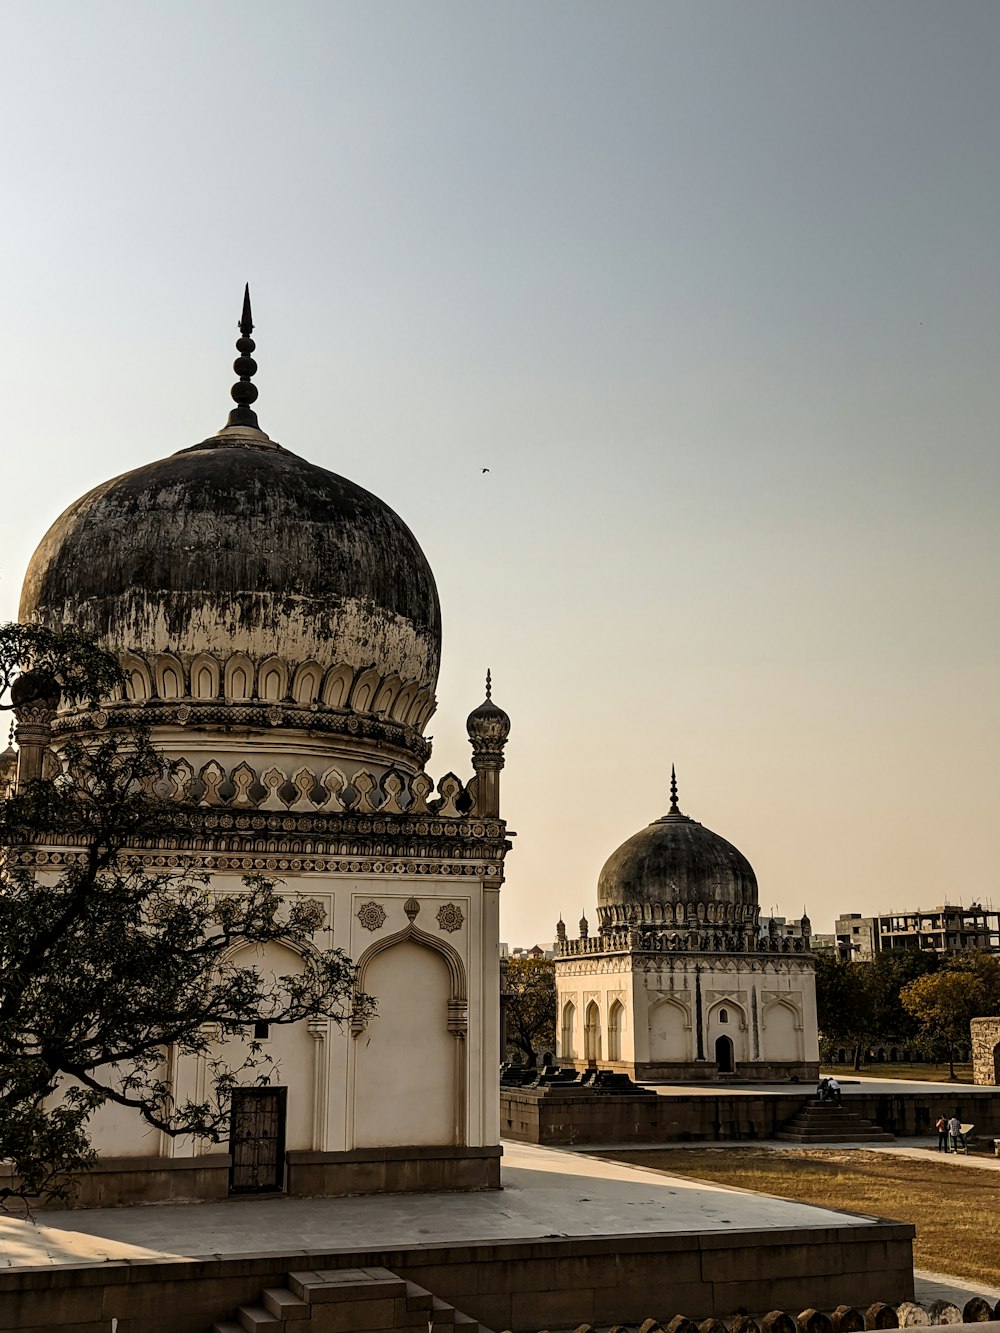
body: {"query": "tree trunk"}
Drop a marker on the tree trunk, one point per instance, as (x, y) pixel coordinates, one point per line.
(951, 1064)
(857, 1058)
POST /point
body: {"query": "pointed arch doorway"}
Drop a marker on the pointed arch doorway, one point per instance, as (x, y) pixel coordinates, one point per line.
(724, 1055)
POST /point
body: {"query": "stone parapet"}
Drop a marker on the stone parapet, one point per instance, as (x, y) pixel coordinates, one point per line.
(660, 941)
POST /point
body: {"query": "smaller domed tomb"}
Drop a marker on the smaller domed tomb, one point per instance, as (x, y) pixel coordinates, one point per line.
(680, 983)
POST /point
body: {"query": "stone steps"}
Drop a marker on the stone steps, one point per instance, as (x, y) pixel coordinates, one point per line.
(830, 1122)
(343, 1301)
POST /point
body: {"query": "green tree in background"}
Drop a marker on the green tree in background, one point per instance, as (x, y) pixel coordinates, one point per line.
(858, 1002)
(945, 1002)
(531, 1006)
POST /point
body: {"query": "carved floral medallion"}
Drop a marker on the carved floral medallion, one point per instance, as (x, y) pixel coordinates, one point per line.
(371, 915)
(450, 917)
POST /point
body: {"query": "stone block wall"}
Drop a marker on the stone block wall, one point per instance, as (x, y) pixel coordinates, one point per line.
(562, 1116)
(517, 1285)
(986, 1051)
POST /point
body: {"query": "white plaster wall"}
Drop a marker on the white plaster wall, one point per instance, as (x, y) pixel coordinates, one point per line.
(320, 1071)
(661, 1006)
(405, 1086)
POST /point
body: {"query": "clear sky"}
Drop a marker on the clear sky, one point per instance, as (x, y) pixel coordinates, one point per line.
(711, 288)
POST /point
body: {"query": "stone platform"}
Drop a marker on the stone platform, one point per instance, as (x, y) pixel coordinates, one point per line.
(563, 1115)
(569, 1239)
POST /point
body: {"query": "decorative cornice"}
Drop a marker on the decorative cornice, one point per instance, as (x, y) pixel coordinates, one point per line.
(193, 860)
(251, 715)
(215, 839)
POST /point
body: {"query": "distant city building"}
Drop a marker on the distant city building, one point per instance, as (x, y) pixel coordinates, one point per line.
(536, 951)
(941, 930)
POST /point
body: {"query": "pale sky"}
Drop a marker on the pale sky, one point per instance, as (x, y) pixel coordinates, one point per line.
(711, 288)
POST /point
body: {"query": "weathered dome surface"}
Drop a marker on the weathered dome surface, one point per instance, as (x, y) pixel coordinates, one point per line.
(238, 545)
(675, 861)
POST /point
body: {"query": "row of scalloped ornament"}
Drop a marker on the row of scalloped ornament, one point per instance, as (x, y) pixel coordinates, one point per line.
(274, 789)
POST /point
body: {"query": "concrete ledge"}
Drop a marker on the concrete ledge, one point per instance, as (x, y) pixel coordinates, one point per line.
(115, 1181)
(393, 1170)
(520, 1285)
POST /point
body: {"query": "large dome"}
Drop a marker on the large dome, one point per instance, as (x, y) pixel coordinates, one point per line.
(673, 870)
(238, 545)
(246, 588)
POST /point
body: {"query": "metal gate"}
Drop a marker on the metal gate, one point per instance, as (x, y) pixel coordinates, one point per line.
(257, 1140)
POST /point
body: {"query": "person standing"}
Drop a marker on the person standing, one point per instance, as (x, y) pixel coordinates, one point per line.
(954, 1132)
(942, 1132)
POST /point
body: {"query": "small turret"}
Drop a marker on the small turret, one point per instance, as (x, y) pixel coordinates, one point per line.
(35, 696)
(488, 727)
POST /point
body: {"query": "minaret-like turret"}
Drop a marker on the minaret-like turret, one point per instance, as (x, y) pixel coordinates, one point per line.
(35, 696)
(488, 727)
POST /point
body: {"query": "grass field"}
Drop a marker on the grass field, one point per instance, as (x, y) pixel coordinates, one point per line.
(925, 1073)
(954, 1208)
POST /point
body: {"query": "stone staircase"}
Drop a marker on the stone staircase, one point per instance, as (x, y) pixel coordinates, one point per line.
(345, 1300)
(830, 1122)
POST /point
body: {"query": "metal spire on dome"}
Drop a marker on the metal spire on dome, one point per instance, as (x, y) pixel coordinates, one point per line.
(489, 684)
(674, 808)
(244, 393)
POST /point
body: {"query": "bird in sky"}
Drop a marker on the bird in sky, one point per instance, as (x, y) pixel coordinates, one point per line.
(486, 469)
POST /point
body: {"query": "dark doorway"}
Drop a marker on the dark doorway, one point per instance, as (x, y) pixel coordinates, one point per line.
(724, 1055)
(257, 1140)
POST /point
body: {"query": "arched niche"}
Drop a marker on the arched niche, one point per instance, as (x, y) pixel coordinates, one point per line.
(592, 1033)
(205, 677)
(307, 682)
(386, 696)
(781, 1031)
(363, 691)
(239, 677)
(337, 686)
(299, 1060)
(168, 675)
(272, 680)
(418, 1033)
(669, 1032)
(138, 683)
(401, 703)
(733, 1026)
(567, 1031)
(616, 1026)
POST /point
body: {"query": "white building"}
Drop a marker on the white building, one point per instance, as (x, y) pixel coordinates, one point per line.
(678, 984)
(280, 629)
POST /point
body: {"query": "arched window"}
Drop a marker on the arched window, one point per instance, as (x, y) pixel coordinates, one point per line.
(567, 1035)
(592, 1033)
(723, 1015)
(616, 1021)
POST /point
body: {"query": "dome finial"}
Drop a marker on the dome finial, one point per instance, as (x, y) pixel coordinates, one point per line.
(244, 393)
(489, 684)
(674, 808)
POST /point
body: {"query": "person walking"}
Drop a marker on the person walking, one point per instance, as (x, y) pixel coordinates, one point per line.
(942, 1132)
(954, 1132)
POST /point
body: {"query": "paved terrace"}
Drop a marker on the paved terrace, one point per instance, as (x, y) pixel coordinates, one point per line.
(548, 1192)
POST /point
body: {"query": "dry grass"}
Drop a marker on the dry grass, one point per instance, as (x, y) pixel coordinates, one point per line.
(923, 1073)
(954, 1208)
